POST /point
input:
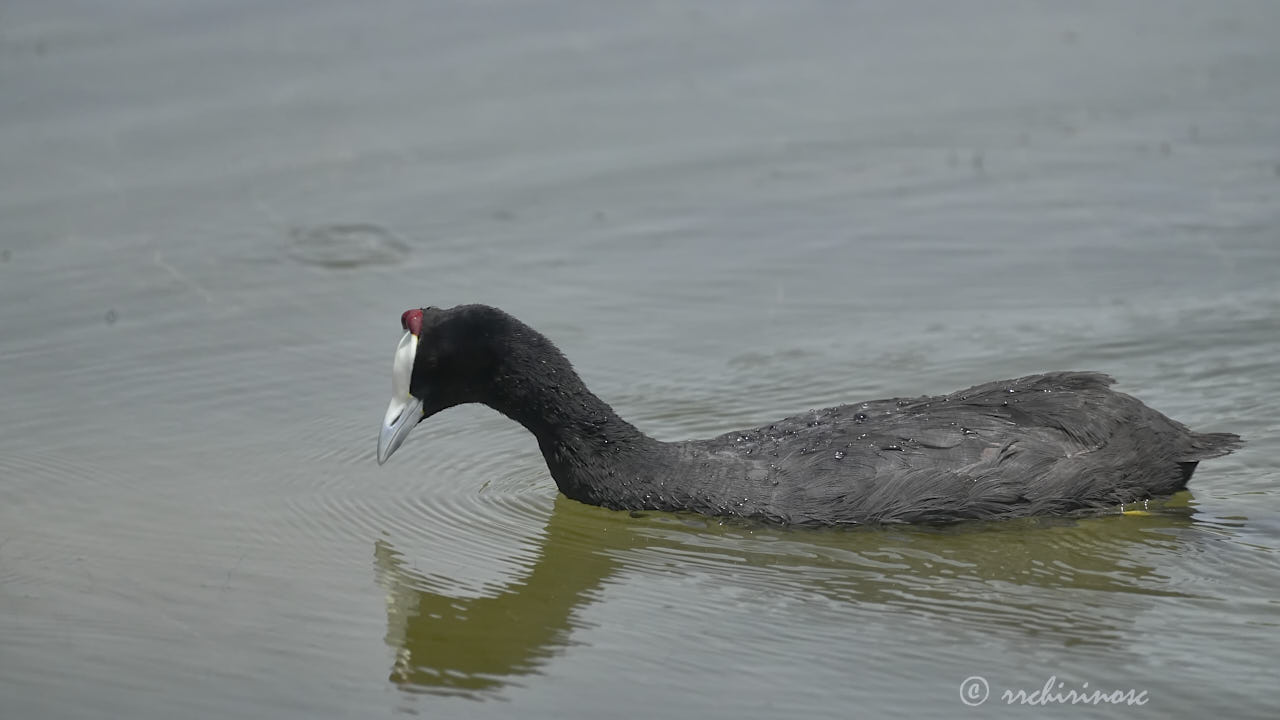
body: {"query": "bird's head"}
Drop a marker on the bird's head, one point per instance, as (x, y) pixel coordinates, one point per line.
(445, 358)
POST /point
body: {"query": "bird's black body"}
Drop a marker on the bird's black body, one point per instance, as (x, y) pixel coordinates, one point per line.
(1050, 444)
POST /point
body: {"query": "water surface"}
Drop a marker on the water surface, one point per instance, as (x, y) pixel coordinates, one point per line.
(214, 213)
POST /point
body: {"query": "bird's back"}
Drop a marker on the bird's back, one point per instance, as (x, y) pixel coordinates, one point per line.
(1043, 444)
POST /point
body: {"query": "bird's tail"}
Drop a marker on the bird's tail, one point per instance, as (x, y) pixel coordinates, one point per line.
(1202, 446)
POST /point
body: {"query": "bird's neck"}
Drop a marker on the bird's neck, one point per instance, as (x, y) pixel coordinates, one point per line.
(593, 454)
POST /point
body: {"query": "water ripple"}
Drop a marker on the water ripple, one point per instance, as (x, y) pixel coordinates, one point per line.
(345, 246)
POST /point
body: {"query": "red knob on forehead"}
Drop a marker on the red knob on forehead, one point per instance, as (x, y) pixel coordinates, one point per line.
(411, 320)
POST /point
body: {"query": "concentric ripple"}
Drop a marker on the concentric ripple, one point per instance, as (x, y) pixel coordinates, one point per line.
(346, 246)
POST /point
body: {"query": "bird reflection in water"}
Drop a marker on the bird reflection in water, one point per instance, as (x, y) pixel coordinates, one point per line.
(461, 645)
(474, 646)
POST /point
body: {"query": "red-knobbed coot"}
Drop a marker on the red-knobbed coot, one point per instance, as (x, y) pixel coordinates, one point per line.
(1050, 444)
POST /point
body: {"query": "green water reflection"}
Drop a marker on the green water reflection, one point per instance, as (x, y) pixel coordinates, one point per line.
(1020, 580)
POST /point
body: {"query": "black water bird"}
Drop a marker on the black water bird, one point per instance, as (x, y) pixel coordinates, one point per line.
(1052, 444)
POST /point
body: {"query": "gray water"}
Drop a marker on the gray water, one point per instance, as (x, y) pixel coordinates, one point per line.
(212, 215)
